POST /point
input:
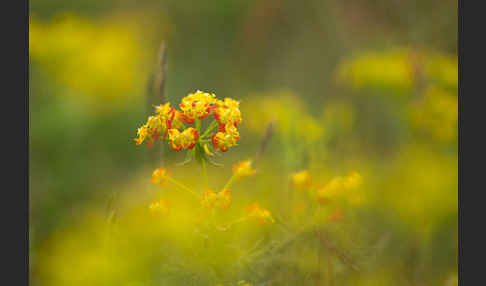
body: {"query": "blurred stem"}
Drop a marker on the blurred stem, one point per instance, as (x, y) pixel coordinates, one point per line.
(329, 269)
(230, 182)
(205, 173)
(240, 220)
(182, 186)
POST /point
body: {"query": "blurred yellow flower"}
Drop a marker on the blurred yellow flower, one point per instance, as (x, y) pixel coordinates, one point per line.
(436, 113)
(442, 69)
(213, 200)
(101, 60)
(160, 176)
(301, 180)
(160, 207)
(353, 181)
(259, 215)
(391, 69)
(243, 169)
(337, 185)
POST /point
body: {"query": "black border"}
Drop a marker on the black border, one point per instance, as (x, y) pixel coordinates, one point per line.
(14, 210)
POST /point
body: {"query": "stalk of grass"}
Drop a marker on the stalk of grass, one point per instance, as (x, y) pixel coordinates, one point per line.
(263, 144)
(157, 95)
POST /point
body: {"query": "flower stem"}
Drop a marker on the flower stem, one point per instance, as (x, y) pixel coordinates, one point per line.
(227, 226)
(229, 183)
(205, 173)
(182, 186)
(198, 126)
(211, 126)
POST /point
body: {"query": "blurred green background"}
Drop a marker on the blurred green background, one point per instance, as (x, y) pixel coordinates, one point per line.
(367, 85)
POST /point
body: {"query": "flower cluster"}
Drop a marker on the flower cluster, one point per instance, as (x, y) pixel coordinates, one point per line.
(194, 108)
(259, 215)
(161, 206)
(243, 169)
(330, 194)
(160, 176)
(213, 200)
(301, 180)
(338, 184)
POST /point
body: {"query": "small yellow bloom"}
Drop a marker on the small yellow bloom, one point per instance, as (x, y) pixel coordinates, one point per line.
(226, 137)
(337, 185)
(183, 140)
(161, 206)
(228, 111)
(212, 199)
(160, 176)
(330, 190)
(243, 169)
(259, 215)
(197, 105)
(301, 180)
(150, 131)
(353, 181)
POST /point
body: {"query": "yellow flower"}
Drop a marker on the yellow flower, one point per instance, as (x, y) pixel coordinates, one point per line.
(259, 215)
(301, 180)
(197, 105)
(338, 184)
(226, 138)
(161, 206)
(330, 190)
(243, 169)
(212, 199)
(353, 181)
(142, 134)
(150, 131)
(160, 176)
(228, 111)
(183, 140)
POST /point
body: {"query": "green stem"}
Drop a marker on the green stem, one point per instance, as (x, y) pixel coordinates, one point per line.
(205, 173)
(229, 183)
(198, 125)
(227, 226)
(211, 126)
(182, 186)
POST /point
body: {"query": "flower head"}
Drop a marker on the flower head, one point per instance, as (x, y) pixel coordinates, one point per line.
(213, 200)
(197, 105)
(225, 139)
(243, 169)
(169, 117)
(259, 215)
(353, 181)
(228, 111)
(161, 206)
(160, 176)
(301, 180)
(183, 140)
(150, 131)
(337, 185)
